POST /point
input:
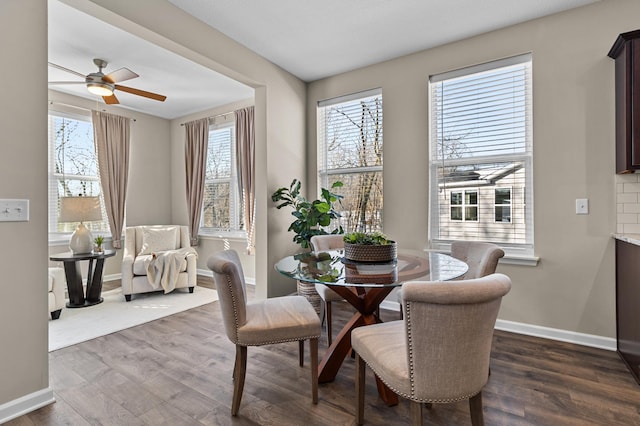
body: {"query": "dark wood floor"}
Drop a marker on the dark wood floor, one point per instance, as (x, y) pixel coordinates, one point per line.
(177, 371)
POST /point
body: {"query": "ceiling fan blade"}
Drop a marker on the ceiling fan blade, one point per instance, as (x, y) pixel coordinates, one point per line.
(111, 100)
(67, 82)
(139, 92)
(120, 75)
(51, 64)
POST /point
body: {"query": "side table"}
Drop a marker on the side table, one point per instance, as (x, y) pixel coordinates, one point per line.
(72, 273)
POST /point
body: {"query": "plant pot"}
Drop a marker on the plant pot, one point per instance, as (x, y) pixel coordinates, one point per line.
(371, 253)
(308, 291)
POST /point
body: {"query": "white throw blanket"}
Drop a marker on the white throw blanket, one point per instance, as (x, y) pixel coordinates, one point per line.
(164, 268)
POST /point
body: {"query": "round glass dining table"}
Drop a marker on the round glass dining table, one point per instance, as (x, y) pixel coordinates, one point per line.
(365, 286)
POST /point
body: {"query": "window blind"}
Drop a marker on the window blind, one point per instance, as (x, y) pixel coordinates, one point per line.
(481, 139)
(73, 168)
(350, 144)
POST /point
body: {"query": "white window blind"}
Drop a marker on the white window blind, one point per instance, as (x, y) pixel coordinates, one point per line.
(350, 144)
(221, 205)
(73, 169)
(481, 138)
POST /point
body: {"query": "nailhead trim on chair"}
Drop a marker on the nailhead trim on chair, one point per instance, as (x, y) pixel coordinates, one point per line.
(237, 339)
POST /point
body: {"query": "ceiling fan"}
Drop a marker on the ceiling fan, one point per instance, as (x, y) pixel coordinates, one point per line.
(104, 85)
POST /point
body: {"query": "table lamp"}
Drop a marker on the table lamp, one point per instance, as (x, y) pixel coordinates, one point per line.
(80, 209)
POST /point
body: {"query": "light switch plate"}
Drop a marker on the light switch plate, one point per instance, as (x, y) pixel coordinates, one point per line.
(14, 210)
(582, 206)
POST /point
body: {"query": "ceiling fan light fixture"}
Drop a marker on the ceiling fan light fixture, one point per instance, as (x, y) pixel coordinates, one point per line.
(100, 88)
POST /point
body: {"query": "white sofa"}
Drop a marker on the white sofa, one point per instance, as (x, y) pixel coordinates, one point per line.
(57, 287)
(140, 241)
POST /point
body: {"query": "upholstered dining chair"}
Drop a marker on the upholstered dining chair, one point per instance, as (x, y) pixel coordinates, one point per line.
(439, 353)
(323, 243)
(264, 322)
(482, 259)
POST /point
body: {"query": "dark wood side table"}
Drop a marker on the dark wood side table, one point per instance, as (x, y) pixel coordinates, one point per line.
(72, 273)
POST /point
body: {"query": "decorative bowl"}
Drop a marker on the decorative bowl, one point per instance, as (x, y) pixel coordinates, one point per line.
(371, 253)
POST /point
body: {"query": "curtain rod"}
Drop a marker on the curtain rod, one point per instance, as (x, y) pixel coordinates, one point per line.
(213, 117)
(82, 108)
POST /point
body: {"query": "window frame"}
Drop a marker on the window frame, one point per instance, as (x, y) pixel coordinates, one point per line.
(53, 179)
(518, 250)
(236, 225)
(325, 173)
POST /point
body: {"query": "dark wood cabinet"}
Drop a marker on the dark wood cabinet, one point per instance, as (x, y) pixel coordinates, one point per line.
(626, 52)
(628, 305)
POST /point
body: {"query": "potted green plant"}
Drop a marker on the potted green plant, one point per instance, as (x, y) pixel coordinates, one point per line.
(311, 217)
(98, 241)
(369, 247)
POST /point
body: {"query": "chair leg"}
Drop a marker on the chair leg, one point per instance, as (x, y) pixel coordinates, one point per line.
(301, 352)
(56, 314)
(239, 373)
(416, 413)
(475, 406)
(359, 390)
(313, 348)
(327, 307)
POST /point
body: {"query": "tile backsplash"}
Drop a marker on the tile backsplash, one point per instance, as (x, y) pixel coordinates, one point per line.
(628, 203)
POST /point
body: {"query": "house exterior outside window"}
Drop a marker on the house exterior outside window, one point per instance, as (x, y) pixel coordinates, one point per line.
(481, 156)
(221, 204)
(350, 148)
(73, 170)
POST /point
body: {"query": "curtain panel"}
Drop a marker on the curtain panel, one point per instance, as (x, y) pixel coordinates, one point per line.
(245, 149)
(197, 138)
(112, 137)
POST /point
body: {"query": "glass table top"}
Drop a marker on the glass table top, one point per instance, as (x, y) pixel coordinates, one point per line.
(330, 267)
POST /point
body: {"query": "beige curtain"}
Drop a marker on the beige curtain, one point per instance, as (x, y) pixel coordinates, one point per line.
(245, 148)
(197, 138)
(111, 137)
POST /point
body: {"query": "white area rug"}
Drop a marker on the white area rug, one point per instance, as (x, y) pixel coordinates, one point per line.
(114, 314)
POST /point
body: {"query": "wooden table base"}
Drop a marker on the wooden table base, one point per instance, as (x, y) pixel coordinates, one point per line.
(366, 304)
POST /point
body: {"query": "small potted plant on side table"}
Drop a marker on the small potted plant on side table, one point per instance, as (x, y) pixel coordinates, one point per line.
(98, 247)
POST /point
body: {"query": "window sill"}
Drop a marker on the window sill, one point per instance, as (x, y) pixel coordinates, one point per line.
(59, 239)
(508, 259)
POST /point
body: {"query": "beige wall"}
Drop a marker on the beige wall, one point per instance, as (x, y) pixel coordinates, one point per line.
(23, 174)
(572, 288)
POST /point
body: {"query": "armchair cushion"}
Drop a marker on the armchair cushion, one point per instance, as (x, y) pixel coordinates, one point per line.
(159, 239)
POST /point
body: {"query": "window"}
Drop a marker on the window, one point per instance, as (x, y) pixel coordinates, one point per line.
(503, 204)
(464, 205)
(481, 155)
(73, 168)
(221, 205)
(350, 151)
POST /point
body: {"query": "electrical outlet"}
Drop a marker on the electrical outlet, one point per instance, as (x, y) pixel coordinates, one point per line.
(582, 206)
(14, 210)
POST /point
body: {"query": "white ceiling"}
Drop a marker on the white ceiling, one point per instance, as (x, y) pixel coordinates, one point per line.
(317, 39)
(76, 38)
(312, 40)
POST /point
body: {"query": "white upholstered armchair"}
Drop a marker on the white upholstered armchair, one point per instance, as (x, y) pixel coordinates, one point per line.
(142, 243)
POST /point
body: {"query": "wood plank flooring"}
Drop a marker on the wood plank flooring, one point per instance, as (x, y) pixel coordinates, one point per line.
(177, 371)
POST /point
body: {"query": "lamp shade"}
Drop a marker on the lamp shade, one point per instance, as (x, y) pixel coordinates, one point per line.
(80, 209)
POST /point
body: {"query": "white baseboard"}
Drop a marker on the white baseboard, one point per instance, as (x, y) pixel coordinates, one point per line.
(26, 404)
(583, 339)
